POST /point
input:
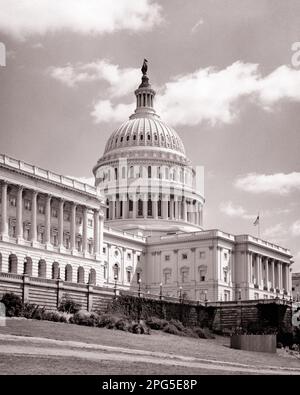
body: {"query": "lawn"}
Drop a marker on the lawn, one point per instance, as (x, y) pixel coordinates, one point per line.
(213, 349)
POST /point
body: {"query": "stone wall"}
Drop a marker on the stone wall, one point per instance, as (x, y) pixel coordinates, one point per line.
(221, 316)
(48, 293)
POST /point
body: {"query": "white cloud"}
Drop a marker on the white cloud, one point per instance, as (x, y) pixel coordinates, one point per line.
(275, 232)
(121, 81)
(229, 209)
(197, 25)
(295, 228)
(214, 95)
(278, 183)
(104, 111)
(85, 180)
(206, 95)
(22, 19)
(296, 264)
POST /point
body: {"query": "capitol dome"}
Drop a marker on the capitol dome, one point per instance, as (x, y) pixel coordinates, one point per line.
(145, 176)
(145, 132)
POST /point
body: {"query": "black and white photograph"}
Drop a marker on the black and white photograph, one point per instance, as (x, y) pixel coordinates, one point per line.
(149, 190)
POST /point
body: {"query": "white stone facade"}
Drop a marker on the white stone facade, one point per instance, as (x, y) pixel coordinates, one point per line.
(140, 226)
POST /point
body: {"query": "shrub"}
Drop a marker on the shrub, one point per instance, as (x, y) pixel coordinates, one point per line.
(83, 317)
(38, 313)
(203, 333)
(55, 316)
(140, 328)
(170, 328)
(13, 304)
(67, 305)
(178, 324)
(29, 309)
(156, 323)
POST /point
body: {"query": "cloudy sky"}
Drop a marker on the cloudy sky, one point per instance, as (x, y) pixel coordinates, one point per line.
(227, 76)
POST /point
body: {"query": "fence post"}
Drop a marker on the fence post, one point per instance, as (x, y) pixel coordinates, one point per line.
(26, 284)
(60, 291)
(90, 297)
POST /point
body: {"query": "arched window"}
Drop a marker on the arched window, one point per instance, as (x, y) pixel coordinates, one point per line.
(116, 173)
(159, 207)
(131, 172)
(148, 137)
(68, 273)
(149, 171)
(149, 207)
(140, 208)
(42, 268)
(134, 137)
(92, 277)
(28, 266)
(127, 138)
(141, 137)
(55, 271)
(167, 173)
(107, 209)
(13, 264)
(116, 271)
(123, 172)
(80, 275)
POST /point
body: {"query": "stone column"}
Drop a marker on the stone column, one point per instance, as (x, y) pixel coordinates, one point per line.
(267, 272)
(165, 206)
(117, 207)
(145, 206)
(172, 208)
(176, 209)
(61, 223)
(273, 274)
(84, 230)
(4, 219)
(154, 206)
(73, 227)
(33, 226)
(48, 220)
(184, 210)
(280, 275)
(96, 232)
(101, 232)
(124, 207)
(19, 214)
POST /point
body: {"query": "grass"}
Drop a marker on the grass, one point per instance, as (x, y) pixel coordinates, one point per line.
(213, 349)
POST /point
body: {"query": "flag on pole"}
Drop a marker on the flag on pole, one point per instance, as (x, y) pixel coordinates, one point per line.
(256, 222)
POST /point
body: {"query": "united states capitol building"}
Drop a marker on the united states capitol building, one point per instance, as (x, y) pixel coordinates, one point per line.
(140, 225)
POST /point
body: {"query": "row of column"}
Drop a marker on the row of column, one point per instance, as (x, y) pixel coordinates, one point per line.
(98, 220)
(170, 209)
(266, 270)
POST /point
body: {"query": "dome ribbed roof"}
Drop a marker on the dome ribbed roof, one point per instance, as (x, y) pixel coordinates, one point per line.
(145, 132)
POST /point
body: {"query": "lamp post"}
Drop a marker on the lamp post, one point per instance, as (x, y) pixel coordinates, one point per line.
(180, 294)
(160, 291)
(205, 297)
(115, 288)
(139, 291)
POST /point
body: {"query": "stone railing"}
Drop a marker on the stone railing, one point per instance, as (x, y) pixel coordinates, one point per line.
(47, 175)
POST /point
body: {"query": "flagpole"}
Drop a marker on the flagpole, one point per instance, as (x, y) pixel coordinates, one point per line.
(258, 228)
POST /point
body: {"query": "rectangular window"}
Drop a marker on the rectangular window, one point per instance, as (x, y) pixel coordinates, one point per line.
(41, 209)
(138, 258)
(128, 255)
(167, 257)
(202, 254)
(13, 201)
(90, 222)
(54, 213)
(104, 250)
(128, 273)
(225, 255)
(184, 256)
(27, 205)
